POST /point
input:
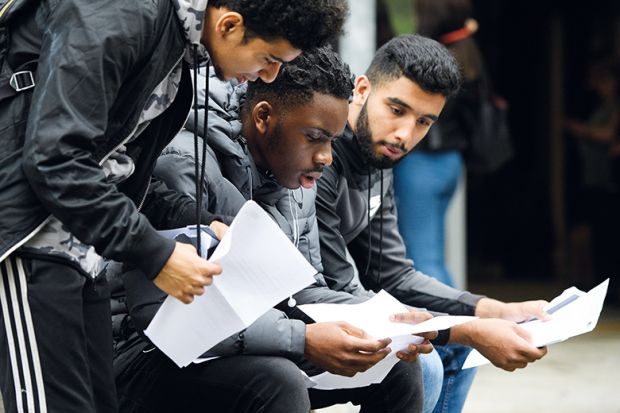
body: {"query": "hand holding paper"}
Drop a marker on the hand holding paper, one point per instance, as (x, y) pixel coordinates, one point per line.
(260, 268)
(505, 343)
(185, 274)
(573, 312)
(424, 347)
(373, 317)
(343, 349)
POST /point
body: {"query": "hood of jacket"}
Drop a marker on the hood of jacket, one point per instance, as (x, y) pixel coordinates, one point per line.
(191, 14)
(224, 137)
(232, 176)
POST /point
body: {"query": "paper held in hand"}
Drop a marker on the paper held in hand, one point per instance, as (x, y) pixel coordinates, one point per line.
(260, 268)
(573, 312)
(373, 316)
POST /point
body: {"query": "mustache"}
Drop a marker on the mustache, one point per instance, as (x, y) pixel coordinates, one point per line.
(398, 146)
(318, 169)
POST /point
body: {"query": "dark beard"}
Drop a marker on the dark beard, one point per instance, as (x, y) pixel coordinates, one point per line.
(364, 137)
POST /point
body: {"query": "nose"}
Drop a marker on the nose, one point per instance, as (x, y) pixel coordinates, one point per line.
(270, 72)
(323, 156)
(407, 134)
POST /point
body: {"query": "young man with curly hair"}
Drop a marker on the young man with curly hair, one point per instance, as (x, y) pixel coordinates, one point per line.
(110, 88)
(269, 143)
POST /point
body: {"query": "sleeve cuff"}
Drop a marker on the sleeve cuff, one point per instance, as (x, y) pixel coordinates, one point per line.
(471, 301)
(152, 253)
(442, 338)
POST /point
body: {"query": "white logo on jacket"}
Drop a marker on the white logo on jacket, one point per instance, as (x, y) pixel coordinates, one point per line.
(375, 204)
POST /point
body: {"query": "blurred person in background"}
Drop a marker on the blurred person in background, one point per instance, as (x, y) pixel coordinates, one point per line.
(595, 201)
(426, 180)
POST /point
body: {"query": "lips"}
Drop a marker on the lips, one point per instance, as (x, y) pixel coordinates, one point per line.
(391, 151)
(308, 180)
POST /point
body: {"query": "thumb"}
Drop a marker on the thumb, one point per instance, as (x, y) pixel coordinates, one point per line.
(539, 310)
(524, 334)
(209, 268)
(352, 330)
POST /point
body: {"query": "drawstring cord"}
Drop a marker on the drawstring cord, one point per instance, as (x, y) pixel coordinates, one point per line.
(380, 230)
(368, 225)
(295, 216)
(200, 166)
(380, 234)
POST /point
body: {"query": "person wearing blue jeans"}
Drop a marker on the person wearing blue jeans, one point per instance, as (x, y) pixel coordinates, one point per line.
(426, 180)
(424, 184)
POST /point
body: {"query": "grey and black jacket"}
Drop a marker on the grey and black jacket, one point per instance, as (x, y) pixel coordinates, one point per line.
(356, 211)
(231, 179)
(98, 65)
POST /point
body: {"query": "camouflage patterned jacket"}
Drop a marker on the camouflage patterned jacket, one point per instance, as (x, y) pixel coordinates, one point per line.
(87, 103)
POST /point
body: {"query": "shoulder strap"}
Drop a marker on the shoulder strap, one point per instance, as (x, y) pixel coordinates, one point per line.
(12, 81)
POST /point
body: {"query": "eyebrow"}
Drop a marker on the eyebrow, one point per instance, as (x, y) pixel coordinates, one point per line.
(276, 58)
(326, 133)
(399, 102)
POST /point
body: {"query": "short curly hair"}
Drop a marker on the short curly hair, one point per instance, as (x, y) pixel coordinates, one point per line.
(316, 71)
(306, 24)
(420, 59)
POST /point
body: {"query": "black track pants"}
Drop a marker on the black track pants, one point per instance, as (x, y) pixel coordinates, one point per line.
(55, 339)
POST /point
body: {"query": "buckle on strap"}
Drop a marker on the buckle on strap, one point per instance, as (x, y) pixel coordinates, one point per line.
(22, 80)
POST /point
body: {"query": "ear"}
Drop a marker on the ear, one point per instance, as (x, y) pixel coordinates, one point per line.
(262, 115)
(230, 25)
(361, 91)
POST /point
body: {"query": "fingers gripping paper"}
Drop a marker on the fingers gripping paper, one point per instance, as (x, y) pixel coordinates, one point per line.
(260, 268)
(573, 312)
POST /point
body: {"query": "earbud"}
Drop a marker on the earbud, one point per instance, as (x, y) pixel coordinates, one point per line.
(291, 302)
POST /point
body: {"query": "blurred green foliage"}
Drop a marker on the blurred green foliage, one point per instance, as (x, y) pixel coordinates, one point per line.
(401, 15)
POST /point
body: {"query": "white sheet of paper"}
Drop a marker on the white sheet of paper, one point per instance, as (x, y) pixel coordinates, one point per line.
(260, 268)
(578, 316)
(372, 316)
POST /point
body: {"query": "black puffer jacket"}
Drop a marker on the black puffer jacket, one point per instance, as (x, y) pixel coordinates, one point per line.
(98, 63)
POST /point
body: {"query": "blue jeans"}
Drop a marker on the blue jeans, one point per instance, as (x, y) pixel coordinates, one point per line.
(424, 183)
(456, 381)
(432, 371)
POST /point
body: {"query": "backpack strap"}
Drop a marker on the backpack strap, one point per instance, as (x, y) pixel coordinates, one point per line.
(12, 81)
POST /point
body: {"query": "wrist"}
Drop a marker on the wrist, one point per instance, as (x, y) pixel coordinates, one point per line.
(489, 308)
(309, 333)
(462, 334)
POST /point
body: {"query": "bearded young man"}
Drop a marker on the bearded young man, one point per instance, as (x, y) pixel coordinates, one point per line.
(394, 105)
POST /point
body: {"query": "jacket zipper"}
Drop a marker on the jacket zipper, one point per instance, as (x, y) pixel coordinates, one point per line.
(124, 141)
(25, 239)
(6, 7)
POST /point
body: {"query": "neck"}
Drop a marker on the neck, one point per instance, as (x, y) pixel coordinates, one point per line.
(252, 137)
(354, 113)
